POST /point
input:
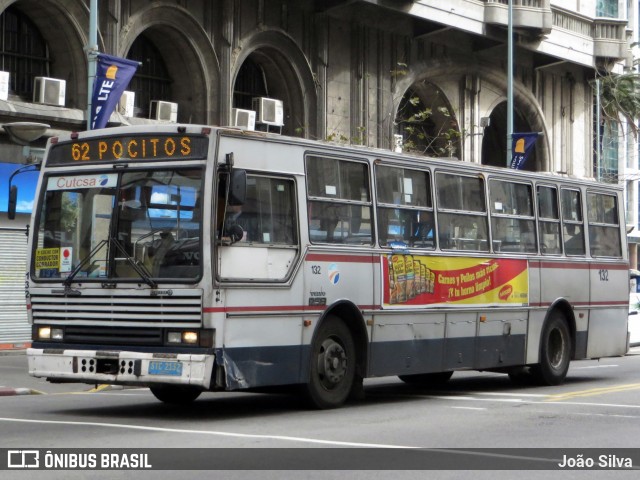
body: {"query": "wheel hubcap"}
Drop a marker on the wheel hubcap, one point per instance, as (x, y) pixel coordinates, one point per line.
(332, 363)
(556, 349)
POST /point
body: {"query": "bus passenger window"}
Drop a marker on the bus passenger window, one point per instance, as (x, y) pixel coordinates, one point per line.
(572, 223)
(339, 201)
(549, 221)
(512, 219)
(404, 207)
(462, 215)
(604, 231)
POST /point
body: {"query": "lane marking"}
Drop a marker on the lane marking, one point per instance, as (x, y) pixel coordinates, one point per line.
(506, 394)
(475, 399)
(592, 392)
(469, 408)
(584, 414)
(98, 388)
(594, 366)
(275, 437)
(208, 432)
(588, 404)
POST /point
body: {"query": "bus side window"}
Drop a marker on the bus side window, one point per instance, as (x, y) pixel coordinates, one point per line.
(572, 223)
(339, 201)
(404, 207)
(512, 217)
(549, 221)
(604, 231)
(462, 214)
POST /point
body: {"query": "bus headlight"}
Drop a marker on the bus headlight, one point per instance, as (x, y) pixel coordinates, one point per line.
(189, 337)
(50, 333)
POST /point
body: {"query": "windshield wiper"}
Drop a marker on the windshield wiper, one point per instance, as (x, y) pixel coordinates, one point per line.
(138, 267)
(67, 281)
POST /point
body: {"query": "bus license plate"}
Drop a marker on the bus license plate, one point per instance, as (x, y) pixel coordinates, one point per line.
(165, 368)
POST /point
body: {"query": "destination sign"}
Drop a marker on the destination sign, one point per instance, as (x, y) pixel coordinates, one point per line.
(131, 148)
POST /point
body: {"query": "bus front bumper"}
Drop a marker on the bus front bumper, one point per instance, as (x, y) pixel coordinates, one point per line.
(121, 367)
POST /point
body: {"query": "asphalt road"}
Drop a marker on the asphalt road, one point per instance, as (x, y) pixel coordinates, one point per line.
(598, 407)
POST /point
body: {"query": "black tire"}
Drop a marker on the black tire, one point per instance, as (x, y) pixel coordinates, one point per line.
(332, 365)
(555, 351)
(175, 394)
(427, 379)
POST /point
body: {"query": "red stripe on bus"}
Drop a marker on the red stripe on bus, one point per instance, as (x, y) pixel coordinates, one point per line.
(577, 266)
(278, 308)
(606, 303)
(332, 257)
(317, 308)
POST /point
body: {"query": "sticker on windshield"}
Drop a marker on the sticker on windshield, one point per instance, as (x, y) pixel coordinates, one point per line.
(65, 259)
(47, 262)
(47, 258)
(82, 181)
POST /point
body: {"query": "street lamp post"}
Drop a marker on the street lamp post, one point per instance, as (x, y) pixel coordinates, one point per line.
(92, 52)
(509, 81)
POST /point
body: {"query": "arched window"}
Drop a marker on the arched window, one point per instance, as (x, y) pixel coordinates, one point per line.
(152, 80)
(23, 52)
(250, 83)
(427, 123)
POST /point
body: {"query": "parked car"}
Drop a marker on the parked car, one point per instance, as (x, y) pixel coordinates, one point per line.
(634, 308)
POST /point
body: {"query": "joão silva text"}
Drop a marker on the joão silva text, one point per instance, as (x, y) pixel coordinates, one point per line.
(603, 461)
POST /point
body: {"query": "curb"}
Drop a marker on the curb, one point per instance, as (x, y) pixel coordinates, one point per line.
(8, 392)
(14, 348)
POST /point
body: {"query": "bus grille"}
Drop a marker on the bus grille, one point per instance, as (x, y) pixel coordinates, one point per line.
(113, 336)
(98, 307)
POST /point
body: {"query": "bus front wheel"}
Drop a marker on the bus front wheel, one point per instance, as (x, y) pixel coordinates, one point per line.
(175, 394)
(333, 365)
(555, 351)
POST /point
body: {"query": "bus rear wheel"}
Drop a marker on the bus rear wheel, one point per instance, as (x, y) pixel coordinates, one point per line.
(175, 394)
(427, 379)
(555, 351)
(333, 365)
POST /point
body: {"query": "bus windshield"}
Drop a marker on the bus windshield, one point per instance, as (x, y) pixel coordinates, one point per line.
(130, 226)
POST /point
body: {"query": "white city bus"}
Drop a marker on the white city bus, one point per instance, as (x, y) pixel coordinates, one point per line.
(190, 259)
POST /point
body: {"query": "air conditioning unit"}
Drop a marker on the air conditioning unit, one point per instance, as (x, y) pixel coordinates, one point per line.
(398, 142)
(161, 110)
(243, 118)
(4, 85)
(126, 103)
(268, 111)
(50, 91)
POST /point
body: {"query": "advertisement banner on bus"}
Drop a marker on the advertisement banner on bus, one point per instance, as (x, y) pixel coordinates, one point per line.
(417, 280)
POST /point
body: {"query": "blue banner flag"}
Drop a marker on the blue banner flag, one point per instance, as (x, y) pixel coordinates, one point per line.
(521, 147)
(113, 74)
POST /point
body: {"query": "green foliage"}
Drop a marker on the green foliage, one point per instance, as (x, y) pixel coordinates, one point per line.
(358, 139)
(428, 129)
(69, 216)
(620, 99)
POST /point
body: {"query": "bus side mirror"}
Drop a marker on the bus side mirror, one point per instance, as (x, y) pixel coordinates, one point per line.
(238, 187)
(13, 201)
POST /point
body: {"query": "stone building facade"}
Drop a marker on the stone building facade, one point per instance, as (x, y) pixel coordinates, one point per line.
(428, 73)
(342, 68)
